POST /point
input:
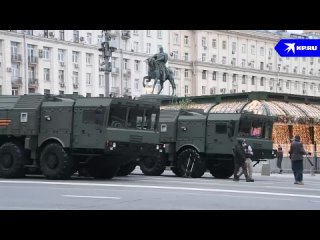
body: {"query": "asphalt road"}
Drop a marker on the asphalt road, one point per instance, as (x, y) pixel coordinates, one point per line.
(140, 192)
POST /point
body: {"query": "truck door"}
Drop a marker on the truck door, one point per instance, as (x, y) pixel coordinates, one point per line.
(88, 127)
(218, 141)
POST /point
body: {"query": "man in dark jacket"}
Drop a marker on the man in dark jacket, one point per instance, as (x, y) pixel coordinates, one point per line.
(239, 161)
(296, 153)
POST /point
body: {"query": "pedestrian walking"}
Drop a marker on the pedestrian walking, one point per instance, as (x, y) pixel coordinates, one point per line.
(249, 156)
(296, 153)
(239, 161)
(279, 158)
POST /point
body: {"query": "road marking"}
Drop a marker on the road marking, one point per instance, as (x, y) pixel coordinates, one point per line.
(164, 187)
(77, 196)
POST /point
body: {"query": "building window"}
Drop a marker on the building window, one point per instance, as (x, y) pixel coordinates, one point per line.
(60, 55)
(101, 80)
(88, 78)
(214, 43)
(99, 39)
(14, 92)
(203, 90)
(148, 48)
(125, 63)
(270, 53)
(261, 51)
(136, 84)
(46, 72)
(244, 48)
(29, 32)
(224, 44)
(61, 76)
(61, 35)
(224, 77)
(75, 56)
(203, 57)
(186, 56)
(176, 38)
(75, 36)
(89, 38)
(176, 72)
(31, 74)
(261, 65)
(243, 63)
(214, 59)
(135, 46)
(136, 65)
(224, 60)
(14, 49)
(261, 81)
(204, 74)
(233, 62)
(88, 58)
(61, 92)
(148, 33)
(214, 75)
(186, 73)
(303, 70)
(159, 34)
(175, 54)
(234, 47)
(88, 95)
(204, 42)
(243, 79)
(186, 40)
(46, 91)
(46, 53)
(46, 33)
(186, 89)
(287, 84)
(135, 32)
(253, 80)
(253, 49)
(75, 78)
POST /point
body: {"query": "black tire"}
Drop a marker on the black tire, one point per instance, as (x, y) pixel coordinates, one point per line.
(100, 168)
(153, 166)
(222, 170)
(56, 163)
(190, 163)
(127, 168)
(12, 160)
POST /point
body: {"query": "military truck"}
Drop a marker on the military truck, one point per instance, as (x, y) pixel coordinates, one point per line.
(59, 135)
(196, 141)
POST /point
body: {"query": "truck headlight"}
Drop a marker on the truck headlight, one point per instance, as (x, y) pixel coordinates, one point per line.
(114, 145)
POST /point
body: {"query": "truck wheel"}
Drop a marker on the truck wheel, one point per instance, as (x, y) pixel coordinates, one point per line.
(56, 163)
(190, 163)
(222, 170)
(153, 166)
(12, 160)
(127, 168)
(100, 168)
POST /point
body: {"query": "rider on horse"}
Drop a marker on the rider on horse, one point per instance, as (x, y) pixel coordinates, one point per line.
(161, 59)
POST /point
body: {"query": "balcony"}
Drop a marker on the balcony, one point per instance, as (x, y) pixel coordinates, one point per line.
(115, 90)
(32, 60)
(33, 82)
(16, 81)
(115, 71)
(125, 35)
(16, 58)
(127, 72)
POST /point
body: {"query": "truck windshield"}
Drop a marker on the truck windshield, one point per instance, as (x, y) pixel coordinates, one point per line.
(254, 128)
(142, 119)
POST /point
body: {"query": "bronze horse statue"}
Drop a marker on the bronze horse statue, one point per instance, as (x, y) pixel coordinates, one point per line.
(154, 73)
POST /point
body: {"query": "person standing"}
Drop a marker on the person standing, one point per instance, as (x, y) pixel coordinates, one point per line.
(239, 161)
(296, 153)
(279, 158)
(249, 155)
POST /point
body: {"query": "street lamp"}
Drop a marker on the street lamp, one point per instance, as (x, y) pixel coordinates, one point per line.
(107, 50)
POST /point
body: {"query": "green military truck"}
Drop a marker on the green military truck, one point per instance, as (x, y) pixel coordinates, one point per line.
(196, 141)
(60, 135)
